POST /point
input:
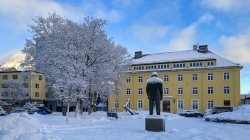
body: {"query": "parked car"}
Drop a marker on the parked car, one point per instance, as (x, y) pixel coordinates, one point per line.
(39, 111)
(46, 109)
(190, 113)
(2, 112)
(18, 110)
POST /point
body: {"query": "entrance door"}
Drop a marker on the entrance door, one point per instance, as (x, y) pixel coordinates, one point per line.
(166, 106)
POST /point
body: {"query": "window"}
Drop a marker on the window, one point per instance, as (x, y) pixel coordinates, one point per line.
(210, 90)
(196, 64)
(128, 91)
(163, 66)
(40, 77)
(116, 103)
(165, 78)
(210, 76)
(195, 90)
(226, 90)
(166, 91)
(151, 67)
(3, 86)
(195, 104)
(36, 94)
(4, 94)
(195, 77)
(210, 104)
(140, 104)
(5, 77)
(37, 85)
(210, 63)
(226, 75)
(128, 104)
(180, 77)
(180, 91)
(139, 68)
(14, 77)
(140, 91)
(26, 85)
(128, 79)
(226, 102)
(140, 79)
(180, 104)
(179, 65)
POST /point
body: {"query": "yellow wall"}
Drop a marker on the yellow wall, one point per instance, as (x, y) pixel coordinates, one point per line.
(187, 84)
(31, 84)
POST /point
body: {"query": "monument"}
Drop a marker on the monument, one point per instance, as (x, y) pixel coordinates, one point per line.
(154, 91)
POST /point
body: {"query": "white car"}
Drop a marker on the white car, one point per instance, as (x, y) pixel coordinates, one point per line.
(190, 113)
(2, 112)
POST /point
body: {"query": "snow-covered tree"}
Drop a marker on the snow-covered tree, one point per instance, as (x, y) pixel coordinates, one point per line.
(15, 90)
(75, 58)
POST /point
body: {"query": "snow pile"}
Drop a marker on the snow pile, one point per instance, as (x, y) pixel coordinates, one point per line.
(242, 113)
(19, 126)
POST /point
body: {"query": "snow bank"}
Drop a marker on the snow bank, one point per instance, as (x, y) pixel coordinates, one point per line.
(242, 113)
(15, 124)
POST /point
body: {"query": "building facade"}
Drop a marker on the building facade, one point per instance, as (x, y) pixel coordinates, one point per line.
(35, 87)
(195, 79)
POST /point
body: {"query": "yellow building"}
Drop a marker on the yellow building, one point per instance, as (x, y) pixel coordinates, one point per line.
(193, 80)
(35, 87)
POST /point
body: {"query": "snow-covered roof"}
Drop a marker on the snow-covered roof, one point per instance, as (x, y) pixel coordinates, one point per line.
(184, 56)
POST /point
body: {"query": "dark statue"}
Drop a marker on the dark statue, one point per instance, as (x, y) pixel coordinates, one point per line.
(154, 91)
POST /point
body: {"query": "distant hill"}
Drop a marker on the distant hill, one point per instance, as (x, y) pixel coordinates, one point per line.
(14, 61)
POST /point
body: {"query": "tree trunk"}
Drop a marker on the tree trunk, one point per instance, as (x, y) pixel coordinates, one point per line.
(94, 102)
(81, 105)
(77, 110)
(90, 106)
(63, 108)
(67, 115)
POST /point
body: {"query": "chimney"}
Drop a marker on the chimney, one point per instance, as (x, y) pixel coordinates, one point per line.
(203, 49)
(195, 47)
(138, 54)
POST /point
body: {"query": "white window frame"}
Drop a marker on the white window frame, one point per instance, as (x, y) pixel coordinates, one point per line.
(180, 78)
(166, 91)
(139, 79)
(128, 79)
(140, 91)
(36, 94)
(165, 78)
(195, 91)
(210, 63)
(128, 91)
(226, 76)
(210, 90)
(180, 104)
(210, 104)
(140, 104)
(195, 77)
(116, 103)
(195, 104)
(226, 90)
(180, 91)
(210, 76)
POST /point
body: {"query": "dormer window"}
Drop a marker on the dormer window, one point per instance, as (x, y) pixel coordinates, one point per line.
(196, 64)
(179, 65)
(210, 63)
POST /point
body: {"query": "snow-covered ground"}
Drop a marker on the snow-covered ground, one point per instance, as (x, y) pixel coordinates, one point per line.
(128, 127)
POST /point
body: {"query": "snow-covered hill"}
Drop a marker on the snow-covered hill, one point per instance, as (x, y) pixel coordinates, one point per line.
(14, 61)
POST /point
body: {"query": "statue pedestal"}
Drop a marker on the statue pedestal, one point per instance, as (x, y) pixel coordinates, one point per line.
(155, 123)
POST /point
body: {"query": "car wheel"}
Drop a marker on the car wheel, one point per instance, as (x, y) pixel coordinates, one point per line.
(199, 116)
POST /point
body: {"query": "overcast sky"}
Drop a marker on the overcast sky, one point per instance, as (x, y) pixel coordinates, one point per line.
(150, 26)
